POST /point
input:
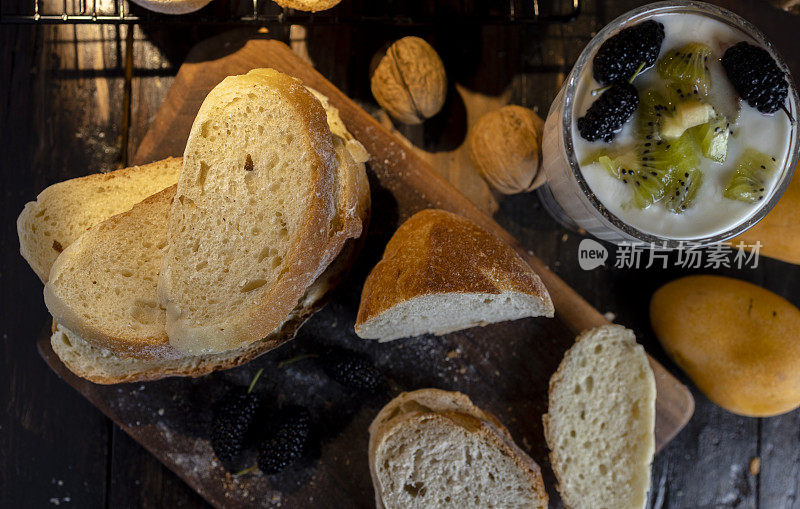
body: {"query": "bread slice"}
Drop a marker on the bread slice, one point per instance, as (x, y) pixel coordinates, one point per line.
(432, 448)
(600, 421)
(111, 331)
(441, 273)
(103, 286)
(254, 216)
(63, 211)
(102, 366)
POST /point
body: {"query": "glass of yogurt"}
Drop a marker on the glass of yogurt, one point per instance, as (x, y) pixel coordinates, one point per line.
(720, 163)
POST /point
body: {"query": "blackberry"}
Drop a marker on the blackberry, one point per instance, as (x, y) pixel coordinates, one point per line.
(233, 416)
(620, 56)
(287, 441)
(351, 370)
(756, 77)
(608, 114)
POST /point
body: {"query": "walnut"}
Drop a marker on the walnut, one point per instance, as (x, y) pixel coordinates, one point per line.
(505, 147)
(409, 81)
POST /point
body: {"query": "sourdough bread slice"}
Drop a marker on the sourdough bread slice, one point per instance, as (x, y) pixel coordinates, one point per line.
(448, 455)
(600, 421)
(63, 211)
(441, 273)
(121, 258)
(252, 221)
(114, 347)
(102, 366)
(103, 286)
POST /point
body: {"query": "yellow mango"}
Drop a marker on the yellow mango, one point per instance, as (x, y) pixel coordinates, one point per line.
(739, 343)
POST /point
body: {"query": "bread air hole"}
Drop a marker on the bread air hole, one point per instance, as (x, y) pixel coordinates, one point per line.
(248, 163)
(416, 489)
(201, 176)
(252, 284)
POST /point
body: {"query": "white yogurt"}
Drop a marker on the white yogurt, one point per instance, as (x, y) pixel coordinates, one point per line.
(711, 213)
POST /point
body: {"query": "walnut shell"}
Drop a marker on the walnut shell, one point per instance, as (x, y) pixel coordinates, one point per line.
(308, 5)
(409, 81)
(505, 147)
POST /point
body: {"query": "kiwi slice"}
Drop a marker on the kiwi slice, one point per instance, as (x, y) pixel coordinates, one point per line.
(748, 183)
(687, 66)
(682, 190)
(594, 157)
(713, 138)
(653, 105)
(647, 188)
(668, 156)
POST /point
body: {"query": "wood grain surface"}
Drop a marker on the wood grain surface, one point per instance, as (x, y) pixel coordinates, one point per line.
(55, 80)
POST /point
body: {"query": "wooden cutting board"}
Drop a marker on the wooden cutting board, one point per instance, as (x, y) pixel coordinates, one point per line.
(505, 367)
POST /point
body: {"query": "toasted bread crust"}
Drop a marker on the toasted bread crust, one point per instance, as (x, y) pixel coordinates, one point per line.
(436, 251)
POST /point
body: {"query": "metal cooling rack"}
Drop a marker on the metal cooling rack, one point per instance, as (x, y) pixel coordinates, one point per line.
(259, 12)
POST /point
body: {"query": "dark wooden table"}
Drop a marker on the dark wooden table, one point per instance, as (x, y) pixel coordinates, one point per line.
(63, 97)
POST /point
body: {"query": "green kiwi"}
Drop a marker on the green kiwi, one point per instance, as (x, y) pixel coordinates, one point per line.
(667, 156)
(594, 157)
(682, 190)
(615, 165)
(653, 168)
(748, 182)
(653, 105)
(713, 138)
(647, 188)
(687, 66)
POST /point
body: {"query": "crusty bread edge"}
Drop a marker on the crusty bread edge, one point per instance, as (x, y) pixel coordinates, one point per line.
(313, 300)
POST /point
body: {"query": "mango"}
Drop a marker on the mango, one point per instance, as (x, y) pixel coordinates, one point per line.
(738, 342)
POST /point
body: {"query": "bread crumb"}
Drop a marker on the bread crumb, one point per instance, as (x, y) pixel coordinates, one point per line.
(755, 466)
(608, 315)
(452, 354)
(564, 237)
